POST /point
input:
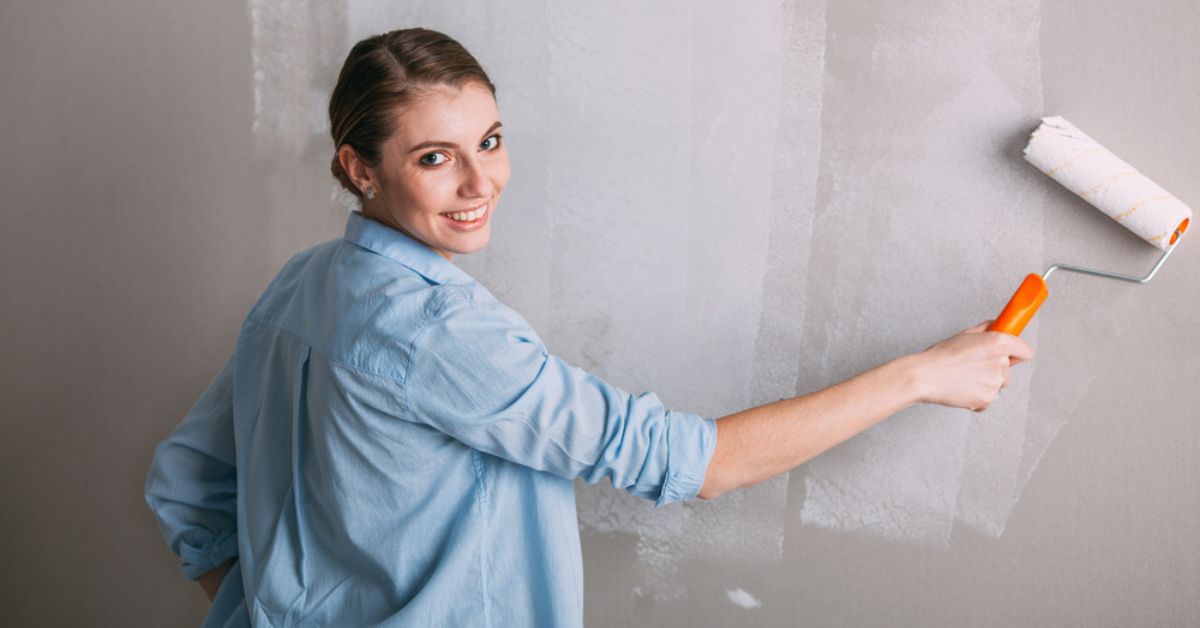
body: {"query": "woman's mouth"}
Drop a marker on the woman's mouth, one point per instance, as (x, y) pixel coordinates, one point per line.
(467, 220)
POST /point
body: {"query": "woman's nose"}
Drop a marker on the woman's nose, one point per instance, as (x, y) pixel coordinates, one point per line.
(475, 180)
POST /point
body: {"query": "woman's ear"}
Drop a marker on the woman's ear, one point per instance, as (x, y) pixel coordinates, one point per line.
(360, 173)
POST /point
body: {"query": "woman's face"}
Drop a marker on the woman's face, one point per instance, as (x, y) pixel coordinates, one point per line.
(445, 157)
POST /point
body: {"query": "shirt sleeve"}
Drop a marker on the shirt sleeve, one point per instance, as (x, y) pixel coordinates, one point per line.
(192, 483)
(480, 374)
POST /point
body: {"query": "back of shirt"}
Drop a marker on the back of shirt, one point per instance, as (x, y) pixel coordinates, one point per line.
(404, 447)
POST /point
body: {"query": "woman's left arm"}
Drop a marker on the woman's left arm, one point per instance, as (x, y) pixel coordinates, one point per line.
(192, 484)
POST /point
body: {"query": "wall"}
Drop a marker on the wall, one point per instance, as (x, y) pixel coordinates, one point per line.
(724, 205)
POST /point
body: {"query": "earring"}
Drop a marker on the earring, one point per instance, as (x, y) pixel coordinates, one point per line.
(370, 193)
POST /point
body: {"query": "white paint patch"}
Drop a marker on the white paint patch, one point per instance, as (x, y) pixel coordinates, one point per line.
(927, 215)
(739, 597)
(779, 359)
(987, 113)
(657, 239)
(298, 48)
(738, 526)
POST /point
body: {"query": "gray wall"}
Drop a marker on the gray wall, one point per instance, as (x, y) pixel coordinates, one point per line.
(724, 205)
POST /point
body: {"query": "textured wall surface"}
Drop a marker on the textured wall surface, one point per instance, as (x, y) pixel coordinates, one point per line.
(724, 204)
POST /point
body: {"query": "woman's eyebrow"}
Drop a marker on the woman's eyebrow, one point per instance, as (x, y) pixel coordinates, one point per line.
(435, 144)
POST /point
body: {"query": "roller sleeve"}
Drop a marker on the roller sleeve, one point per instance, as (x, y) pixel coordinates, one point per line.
(1066, 154)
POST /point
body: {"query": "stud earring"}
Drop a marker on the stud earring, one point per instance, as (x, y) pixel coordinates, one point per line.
(370, 193)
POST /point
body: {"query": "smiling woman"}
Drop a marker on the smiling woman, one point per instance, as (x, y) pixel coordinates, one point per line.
(392, 445)
(423, 133)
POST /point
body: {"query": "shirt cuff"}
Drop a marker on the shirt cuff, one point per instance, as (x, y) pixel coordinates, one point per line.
(691, 441)
(199, 559)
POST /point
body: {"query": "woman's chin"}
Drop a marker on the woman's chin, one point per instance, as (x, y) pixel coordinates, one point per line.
(466, 243)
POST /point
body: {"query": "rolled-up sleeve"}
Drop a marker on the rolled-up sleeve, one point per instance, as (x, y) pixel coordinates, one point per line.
(192, 483)
(480, 374)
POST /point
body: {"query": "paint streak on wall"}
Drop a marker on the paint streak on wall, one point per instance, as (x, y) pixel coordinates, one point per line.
(298, 49)
(659, 212)
(739, 597)
(925, 206)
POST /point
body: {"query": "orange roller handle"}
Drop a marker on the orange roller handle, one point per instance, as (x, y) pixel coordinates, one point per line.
(1022, 306)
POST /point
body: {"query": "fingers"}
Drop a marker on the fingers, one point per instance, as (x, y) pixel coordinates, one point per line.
(977, 328)
(1007, 378)
(988, 404)
(1019, 350)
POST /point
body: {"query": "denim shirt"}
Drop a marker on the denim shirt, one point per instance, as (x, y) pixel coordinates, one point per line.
(390, 445)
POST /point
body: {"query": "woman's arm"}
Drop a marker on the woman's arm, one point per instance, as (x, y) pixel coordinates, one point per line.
(757, 444)
(964, 371)
(191, 485)
(480, 374)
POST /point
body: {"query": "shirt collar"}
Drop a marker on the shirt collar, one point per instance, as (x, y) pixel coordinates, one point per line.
(394, 244)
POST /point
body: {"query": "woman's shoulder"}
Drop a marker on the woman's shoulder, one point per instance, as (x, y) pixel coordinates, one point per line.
(471, 312)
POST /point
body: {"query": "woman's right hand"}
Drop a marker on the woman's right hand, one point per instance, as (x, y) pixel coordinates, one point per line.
(969, 369)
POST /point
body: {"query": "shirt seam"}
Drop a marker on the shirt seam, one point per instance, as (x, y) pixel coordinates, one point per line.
(322, 352)
(412, 346)
(523, 417)
(405, 409)
(481, 502)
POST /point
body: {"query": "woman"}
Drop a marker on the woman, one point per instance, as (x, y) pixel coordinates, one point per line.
(391, 445)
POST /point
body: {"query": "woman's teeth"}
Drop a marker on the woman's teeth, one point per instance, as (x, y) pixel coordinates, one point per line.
(468, 216)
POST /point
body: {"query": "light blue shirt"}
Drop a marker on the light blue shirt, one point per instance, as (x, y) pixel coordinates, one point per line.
(392, 446)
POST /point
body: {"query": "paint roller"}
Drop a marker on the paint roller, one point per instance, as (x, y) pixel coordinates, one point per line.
(1069, 156)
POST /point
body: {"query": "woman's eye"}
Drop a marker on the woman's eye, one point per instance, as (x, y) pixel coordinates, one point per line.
(493, 146)
(428, 162)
